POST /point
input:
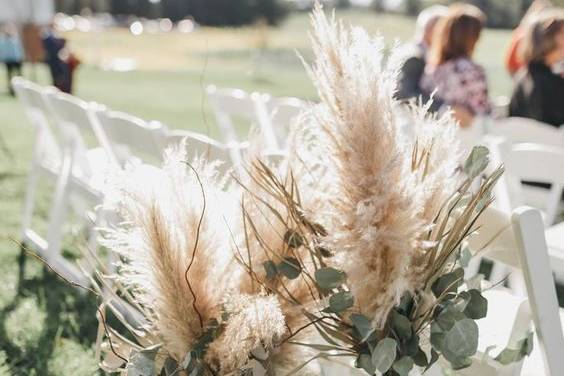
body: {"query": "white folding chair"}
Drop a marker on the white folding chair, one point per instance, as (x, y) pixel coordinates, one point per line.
(282, 113)
(46, 157)
(233, 108)
(133, 139)
(518, 130)
(199, 145)
(535, 163)
(519, 241)
(81, 177)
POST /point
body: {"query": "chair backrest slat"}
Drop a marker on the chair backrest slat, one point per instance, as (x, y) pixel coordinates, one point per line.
(283, 113)
(533, 254)
(534, 163)
(130, 137)
(520, 130)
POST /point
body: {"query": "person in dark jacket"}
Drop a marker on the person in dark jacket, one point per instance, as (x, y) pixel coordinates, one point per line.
(539, 92)
(415, 57)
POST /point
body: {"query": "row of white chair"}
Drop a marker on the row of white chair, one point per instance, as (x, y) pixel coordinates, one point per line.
(272, 117)
(76, 145)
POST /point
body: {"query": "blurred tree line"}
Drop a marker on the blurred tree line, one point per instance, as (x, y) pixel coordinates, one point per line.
(206, 12)
(501, 13)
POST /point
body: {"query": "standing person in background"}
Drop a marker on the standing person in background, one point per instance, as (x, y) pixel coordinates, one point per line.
(539, 92)
(513, 60)
(11, 53)
(62, 63)
(459, 82)
(415, 57)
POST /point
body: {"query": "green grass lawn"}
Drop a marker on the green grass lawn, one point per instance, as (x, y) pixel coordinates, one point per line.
(47, 328)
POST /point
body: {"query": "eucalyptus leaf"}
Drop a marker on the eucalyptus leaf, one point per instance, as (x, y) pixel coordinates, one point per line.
(403, 366)
(508, 356)
(401, 326)
(448, 317)
(324, 251)
(340, 302)
(290, 267)
(477, 161)
(411, 347)
(477, 307)
(293, 239)
(433, 360)
(461, 341)
(475, 282)
(405, 305)
(420, 359)
(513, 354)
(362, 325)
(465, 257)
(170, 366)
(384, 354)
(329, 278)
(364, 361)
(461, 364)
(141, 363)
(448, 283)
(270, 269)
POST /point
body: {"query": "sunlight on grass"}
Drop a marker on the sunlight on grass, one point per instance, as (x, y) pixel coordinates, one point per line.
(25, 324)
(70, 358)
(4, 368)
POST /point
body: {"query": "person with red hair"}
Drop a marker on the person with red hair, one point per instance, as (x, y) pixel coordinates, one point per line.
(513, 59)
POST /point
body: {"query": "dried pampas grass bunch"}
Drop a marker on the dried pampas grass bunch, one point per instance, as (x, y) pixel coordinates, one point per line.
(353, 246)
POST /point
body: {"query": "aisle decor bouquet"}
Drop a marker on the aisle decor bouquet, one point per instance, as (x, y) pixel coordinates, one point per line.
(352, 247)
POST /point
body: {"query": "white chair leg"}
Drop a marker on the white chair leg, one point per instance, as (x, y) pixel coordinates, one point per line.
(58, 210)
(29, 200)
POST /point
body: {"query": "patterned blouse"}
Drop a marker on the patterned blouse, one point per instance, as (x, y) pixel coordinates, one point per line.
(459, 82)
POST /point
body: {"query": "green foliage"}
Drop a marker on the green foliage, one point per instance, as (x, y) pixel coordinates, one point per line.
(142, 362)
(4, 368)
(290, 267)
(270, 269)
(384, 354)
(514, 353)
(477, 161)
(329, 278)
(340, 302)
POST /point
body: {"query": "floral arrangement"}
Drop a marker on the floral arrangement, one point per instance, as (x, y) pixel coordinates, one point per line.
(352, 247)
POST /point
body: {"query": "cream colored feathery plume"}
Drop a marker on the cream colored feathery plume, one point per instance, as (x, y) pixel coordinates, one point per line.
(255, 323)
(177, 255)
(379, 202)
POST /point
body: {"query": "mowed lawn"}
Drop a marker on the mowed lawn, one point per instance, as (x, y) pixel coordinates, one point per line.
(46, 327)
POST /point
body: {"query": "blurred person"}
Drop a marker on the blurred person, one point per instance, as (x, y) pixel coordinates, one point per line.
(415, 57)
(11, 53)
(513, 59)
(539, 90)
(459, 82)
(62, 63)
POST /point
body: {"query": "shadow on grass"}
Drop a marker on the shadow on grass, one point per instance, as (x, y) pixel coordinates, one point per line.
(70, 313)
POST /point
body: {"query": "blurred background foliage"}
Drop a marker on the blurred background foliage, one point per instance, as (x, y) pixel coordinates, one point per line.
(501, 13)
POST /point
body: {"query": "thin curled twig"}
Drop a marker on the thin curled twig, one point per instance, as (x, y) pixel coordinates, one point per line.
(201, 320)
